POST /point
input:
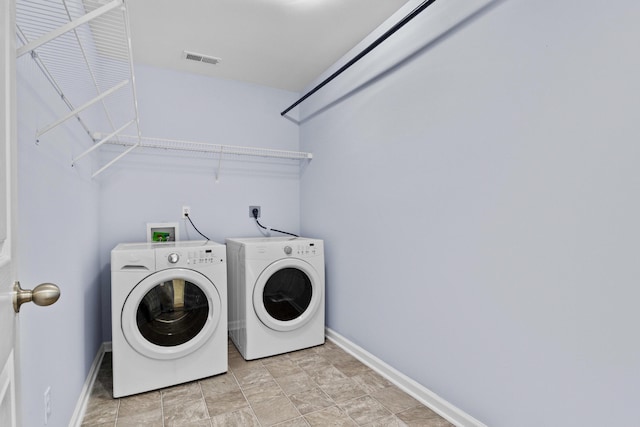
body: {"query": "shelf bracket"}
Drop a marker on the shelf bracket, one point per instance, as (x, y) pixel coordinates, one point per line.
(108, 165)
(104, 140)
(219, 165)
(81, 108)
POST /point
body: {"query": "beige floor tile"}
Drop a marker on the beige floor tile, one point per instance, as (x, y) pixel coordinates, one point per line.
(275, 359)
(364, 410)
(296, 422)
(185, 413)
(181, 393)
(140, 403)
(101, 411)
(391, 421)
(252, 376)
(155, 421)
(296, 383)
(332, 416)
(422, 416)
(326, 375)
(198, 423)
(282, 368)
(371, 382)
(343, 389)
(274, 411)
(146, 415)
(242, 418)
(221, 403)
(335, 355)
(394, 399)
(311, 401)
(298, 355)
(222, 383)
(313, 362)
(262, 392)
(351, 367)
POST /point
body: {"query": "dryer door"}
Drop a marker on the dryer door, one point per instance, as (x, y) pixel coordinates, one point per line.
(287, 294)
(171, 313)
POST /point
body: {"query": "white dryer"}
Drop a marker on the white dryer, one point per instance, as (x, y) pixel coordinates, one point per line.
(169, 314)
(276, 294)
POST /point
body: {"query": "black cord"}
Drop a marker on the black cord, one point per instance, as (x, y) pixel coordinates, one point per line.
(255, 216)
(196, 228)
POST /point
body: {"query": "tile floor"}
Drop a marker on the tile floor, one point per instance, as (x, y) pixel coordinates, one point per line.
(320, 386)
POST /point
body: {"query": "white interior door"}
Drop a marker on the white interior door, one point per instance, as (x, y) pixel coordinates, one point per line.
(8, 396)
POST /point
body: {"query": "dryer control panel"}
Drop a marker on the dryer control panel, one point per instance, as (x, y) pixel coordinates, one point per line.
(275, 248)
(302, 249)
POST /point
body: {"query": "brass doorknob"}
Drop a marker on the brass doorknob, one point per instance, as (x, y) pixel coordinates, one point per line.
(43, 294)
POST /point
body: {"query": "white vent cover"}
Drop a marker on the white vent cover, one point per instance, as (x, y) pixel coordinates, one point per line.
(198, 57)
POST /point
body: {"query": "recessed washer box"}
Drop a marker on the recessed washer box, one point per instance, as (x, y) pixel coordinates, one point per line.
(162, 232)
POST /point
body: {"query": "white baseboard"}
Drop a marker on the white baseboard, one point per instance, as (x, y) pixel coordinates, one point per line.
(85, 394)
(422, 394)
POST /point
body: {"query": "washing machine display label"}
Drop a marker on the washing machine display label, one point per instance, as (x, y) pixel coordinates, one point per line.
(172, 313)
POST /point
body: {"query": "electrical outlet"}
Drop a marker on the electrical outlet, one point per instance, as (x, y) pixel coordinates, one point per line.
(47, 405)
(251, 208)
(186, 211)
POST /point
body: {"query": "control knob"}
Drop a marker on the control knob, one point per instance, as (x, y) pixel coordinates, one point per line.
(288, 250)
(173, 258)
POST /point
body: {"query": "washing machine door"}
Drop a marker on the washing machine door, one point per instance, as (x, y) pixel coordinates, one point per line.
(287, 294)
(171, 313)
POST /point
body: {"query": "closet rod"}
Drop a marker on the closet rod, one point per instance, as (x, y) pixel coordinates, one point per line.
(425, 4)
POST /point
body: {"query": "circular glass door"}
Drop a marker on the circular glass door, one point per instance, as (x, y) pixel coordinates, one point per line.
(171, 313)
(287, 294)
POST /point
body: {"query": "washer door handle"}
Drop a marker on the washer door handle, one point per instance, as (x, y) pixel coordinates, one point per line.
(44, 294)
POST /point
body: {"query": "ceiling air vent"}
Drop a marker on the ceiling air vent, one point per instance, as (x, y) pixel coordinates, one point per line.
(198, 57)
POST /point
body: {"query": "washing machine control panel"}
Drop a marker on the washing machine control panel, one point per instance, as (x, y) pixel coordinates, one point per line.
(203, 256)
(185, 257)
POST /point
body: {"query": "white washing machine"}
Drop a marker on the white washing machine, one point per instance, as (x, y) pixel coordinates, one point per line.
(169, 314)
(276, 294)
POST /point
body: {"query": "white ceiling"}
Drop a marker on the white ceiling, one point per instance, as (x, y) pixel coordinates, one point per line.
(278, 43)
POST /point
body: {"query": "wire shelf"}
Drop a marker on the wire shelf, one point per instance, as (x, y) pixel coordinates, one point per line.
(205, 147)
(84, 49)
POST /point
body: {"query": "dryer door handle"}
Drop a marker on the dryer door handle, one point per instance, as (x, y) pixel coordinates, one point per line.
(44, 294)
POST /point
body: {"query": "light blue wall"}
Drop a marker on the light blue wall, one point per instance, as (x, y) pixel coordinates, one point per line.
(152, 186)
(476, 181)
(57, 242)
